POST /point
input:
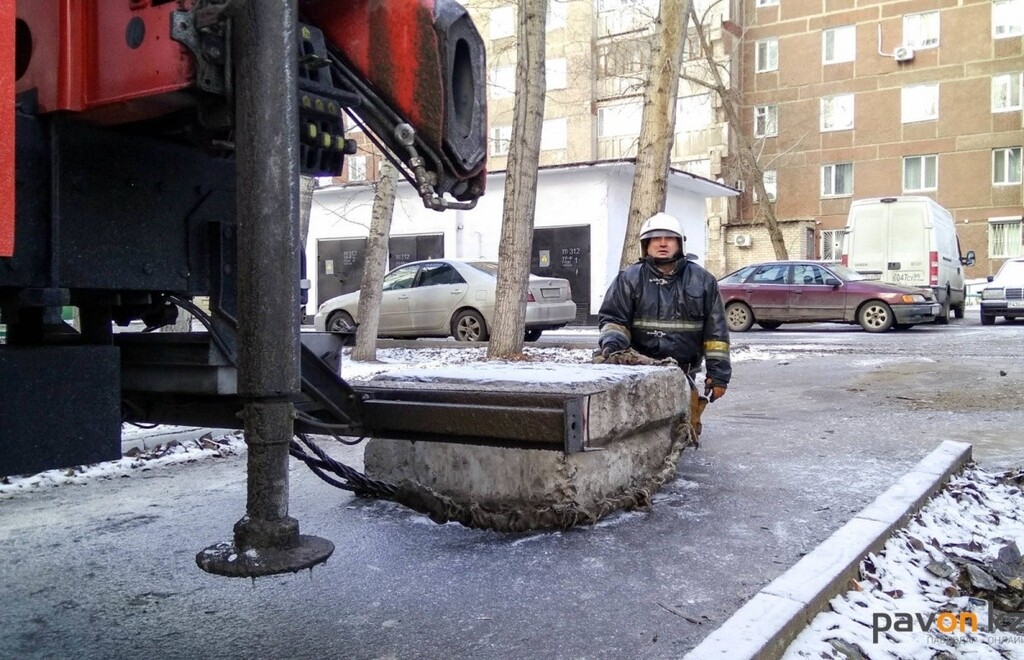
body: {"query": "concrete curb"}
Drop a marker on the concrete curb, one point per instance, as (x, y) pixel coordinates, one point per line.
(766, 625)
(144, 439)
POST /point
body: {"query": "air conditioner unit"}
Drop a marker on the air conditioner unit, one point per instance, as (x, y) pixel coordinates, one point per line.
(741, 240)
(903, 54)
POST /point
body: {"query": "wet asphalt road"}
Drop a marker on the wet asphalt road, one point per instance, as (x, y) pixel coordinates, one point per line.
(818, 421)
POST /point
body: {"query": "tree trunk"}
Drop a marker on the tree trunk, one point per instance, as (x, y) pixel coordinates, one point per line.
(371, 291)
(307, 185)
(746, 152)
(657, 127)
(509, 321)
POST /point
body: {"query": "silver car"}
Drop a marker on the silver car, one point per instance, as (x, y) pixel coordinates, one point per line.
(1004, 295)
(449, 297)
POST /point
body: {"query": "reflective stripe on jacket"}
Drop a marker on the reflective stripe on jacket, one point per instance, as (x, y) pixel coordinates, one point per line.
(679, 316)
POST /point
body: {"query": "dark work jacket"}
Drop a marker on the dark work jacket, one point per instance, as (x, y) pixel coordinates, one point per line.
(679, 316)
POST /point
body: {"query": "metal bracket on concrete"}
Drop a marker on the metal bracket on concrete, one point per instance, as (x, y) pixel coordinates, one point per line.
(524, 420)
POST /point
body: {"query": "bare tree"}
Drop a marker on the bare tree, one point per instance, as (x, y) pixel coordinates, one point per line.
(657, 127)
(749, 161)
(371, 287)
(520, 184)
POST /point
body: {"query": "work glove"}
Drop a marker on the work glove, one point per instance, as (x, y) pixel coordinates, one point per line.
(606, 351)
(713, 392)
(602, 354)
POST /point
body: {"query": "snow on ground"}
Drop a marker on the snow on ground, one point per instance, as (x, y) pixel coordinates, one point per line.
(963, 543)
(973, 519)
(174, 452)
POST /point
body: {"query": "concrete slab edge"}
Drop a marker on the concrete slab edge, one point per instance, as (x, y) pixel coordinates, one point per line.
(144, 439)
(768, 623)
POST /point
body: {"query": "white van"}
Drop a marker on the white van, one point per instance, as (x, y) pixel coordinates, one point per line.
(909, 241)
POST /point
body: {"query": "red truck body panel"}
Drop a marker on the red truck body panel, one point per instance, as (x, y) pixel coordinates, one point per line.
(112, 61)
(6, 129)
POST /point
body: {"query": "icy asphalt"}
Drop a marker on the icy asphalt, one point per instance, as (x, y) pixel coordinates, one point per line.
(809, 434)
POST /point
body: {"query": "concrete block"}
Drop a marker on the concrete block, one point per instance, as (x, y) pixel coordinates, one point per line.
(629, 433)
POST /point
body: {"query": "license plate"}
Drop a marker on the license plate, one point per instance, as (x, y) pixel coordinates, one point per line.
(1015, 304)
(550, 293)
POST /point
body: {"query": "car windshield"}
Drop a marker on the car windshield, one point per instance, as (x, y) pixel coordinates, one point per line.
(847, 274)
(489, 267)
(1012, 271)
(738, 277)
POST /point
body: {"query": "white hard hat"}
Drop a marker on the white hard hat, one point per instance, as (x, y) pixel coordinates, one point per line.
(661, 224)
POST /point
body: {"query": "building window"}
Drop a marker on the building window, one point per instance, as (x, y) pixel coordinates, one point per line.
(839, 44)
(920, 173)
(920, 103)
(1007, 18)
(617, 16)
(554, 73)
(1006, 166)
(837, 112)
(767, 3)
(501, 138)
(556, 14)
(503, 22)
(693, 113)
(1006, 92)
(837, 180)
(921, 30)
(766, 121)
(621, 119)
(1004, 238)
(767, 55)
(771, 187)
(832, 244)
(356, 168)
(623, 57)
(503, 82)
(553, 134)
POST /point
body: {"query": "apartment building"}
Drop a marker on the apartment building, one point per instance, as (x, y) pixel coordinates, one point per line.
(861, 98)
(843, 99)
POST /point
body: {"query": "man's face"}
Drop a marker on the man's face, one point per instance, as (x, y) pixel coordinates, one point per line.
(663, 247)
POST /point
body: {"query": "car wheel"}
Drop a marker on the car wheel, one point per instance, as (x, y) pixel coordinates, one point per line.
(958, 311)
(340, 322)
(987, 319)
(770, 325)
(942, 318)
(532, 335)
(738, 317)
(875, 316)
(469, 325)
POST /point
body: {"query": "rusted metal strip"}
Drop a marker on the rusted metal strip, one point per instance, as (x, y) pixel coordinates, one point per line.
(506, 419)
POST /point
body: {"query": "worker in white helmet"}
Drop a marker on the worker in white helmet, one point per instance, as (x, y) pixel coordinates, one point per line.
(666, 306)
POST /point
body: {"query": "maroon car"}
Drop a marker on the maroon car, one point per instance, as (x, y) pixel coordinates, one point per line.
(778, 292)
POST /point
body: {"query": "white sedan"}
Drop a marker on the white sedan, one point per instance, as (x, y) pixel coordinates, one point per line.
(449, 297)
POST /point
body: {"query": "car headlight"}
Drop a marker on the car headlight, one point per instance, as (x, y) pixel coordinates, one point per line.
(992, 293)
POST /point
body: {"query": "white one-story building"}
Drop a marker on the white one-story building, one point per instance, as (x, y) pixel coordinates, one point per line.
(579, 224)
